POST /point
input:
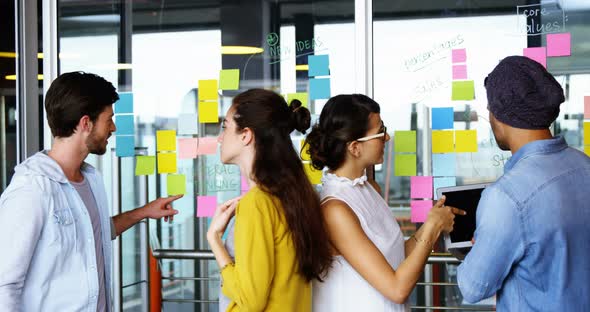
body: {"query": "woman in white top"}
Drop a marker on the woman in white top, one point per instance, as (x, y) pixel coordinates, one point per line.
(374, 269)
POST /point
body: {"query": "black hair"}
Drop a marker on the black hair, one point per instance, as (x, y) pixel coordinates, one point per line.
(74, 95)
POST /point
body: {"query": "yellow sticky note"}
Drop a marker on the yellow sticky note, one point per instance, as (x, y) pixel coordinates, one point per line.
(176, 184)
(466, 141)
(229, 79)
(405, 165)
(145, 165)
(463, 90)
(303, 151)
(166, 162)
(587, 133)
(208, 90)
(315, 176)
(442, 141)
(301, 96)
(587, 150)
(165, 140)
(208, 112)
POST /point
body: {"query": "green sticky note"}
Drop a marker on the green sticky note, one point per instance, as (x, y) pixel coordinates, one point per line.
(301, 96)
(229, 79)
(405, 141)
(466, 141)
(463, 90)
(176, 184)
(587, 133)
(405, 165)
(442, 141)
(145, 165)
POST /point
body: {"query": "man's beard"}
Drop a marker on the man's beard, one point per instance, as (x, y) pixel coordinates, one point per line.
(95, 145)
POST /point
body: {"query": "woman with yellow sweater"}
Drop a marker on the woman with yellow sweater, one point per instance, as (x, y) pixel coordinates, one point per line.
(280, 242)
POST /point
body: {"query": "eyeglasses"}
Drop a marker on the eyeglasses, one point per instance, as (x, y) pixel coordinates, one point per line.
(382, 134)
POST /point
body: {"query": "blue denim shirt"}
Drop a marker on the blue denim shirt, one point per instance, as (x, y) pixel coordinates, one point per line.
(532, 240)
(48, 260)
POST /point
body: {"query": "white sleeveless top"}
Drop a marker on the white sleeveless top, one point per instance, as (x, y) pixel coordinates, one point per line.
(344, 289)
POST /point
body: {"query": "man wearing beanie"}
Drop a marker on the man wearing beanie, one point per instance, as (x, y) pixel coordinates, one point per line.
(532, 241)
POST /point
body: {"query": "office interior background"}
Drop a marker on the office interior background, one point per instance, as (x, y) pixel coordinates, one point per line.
(398, 52)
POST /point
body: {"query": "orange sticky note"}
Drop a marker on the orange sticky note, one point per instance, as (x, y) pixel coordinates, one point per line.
(314, 175)
(208, 90)
(166, 140)
(442, 141)
(167, 163)
(208, 112)
(466, 141)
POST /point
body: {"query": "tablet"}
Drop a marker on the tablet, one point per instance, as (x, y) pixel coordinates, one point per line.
(465, 197)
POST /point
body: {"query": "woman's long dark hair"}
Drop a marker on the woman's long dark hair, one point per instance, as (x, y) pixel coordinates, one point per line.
(278, 171)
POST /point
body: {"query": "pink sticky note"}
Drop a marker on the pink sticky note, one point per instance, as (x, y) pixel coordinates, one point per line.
(206, 206)
(587, 107)
(244, 184)
(459, 72)
(420, 187)
(459, 56)
(187, 148)
(537, 54)
(559, 44)
(419, 210)
(207, 146)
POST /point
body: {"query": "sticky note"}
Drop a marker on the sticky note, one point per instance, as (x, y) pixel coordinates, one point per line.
(124, 124)
(443, 182)
(444, 165)
(404, 141)
(442, 118)
(124, 104)
(167, 163)
(176, 184)
(208, 112)
(420, 187)
(206, 206)
(442, 141)
(145, 165)
(314, 175)
(419, 210)
(303, 151)
(319, 65)
(207, 146)
(229, 79)
(187, 148)
(587, 107)
(208, 90)
(165, 140)
(537, 54)
(459, 55)
(244, 184)
(587, 150)
(188, 124)
(125, 146)
(466, 141)
(559, 44)
(587, 133)
(301, 96)
(319, 88)
(463, 90)
(405, 165)
(459, 72)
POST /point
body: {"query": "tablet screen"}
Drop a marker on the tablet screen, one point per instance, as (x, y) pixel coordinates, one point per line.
(468, 201)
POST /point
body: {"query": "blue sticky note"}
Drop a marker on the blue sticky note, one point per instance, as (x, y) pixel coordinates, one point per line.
(125, 104)
(319, 65)
(319, 88)
(125, 145)
(442, 118)
(443, 165)
(443, 182)
(124, 124)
